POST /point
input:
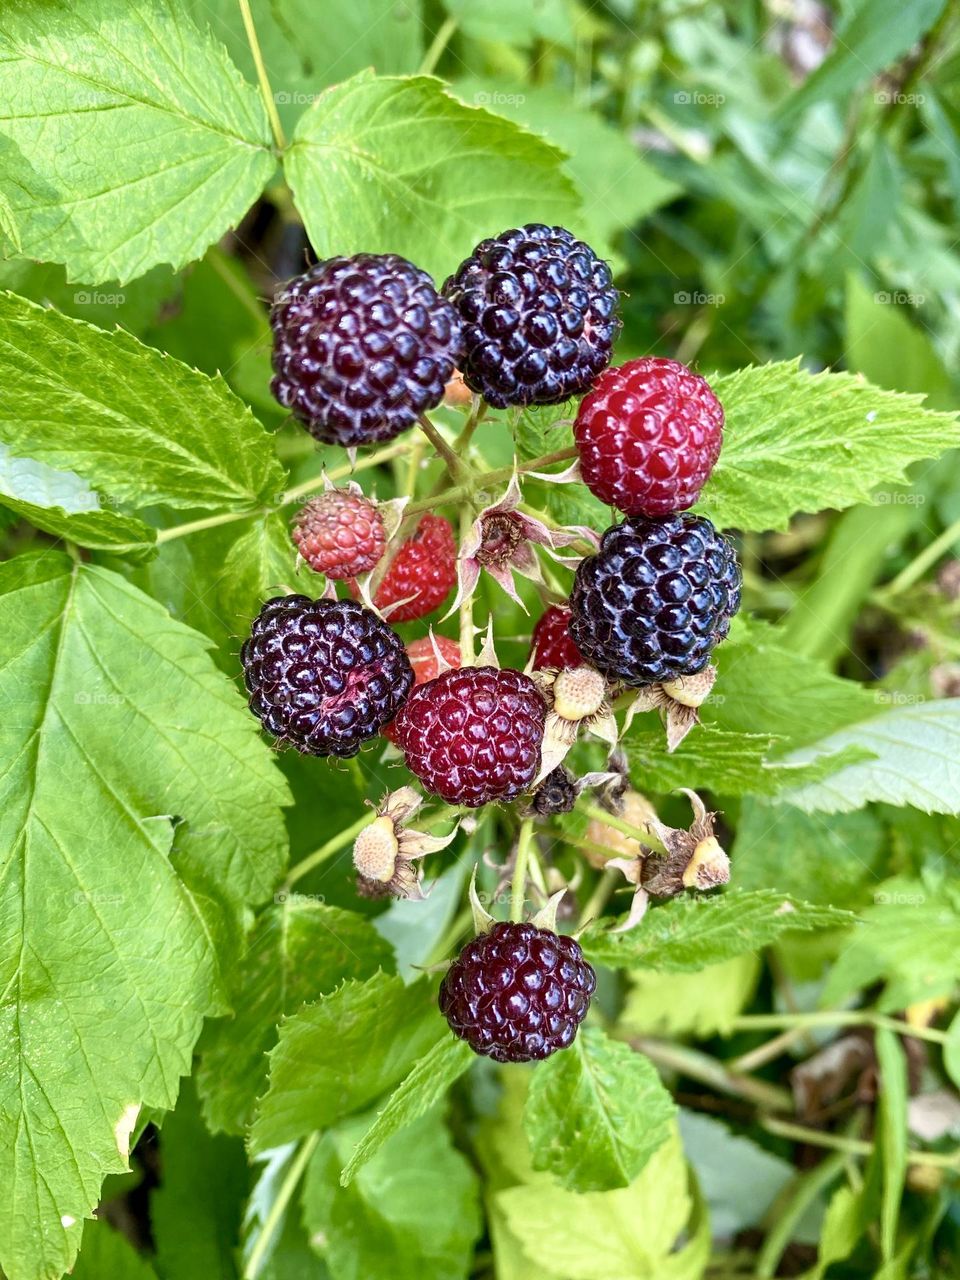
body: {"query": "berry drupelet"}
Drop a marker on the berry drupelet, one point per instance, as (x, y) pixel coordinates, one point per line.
(539, 315)
(324, 675)
(517, 993)
(422, 573)
(552, 644)
(362, 346)
(648, 435)
(473, 736)
(655, 599)
(340, 534)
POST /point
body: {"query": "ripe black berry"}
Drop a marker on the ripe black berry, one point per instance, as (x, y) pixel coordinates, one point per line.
(324, 675)
(655, 599)
(517, 993)
(539, 316)
(361, 347)
(472, 736)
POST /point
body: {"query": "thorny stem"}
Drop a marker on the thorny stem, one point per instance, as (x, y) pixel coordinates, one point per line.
(279, 1207)
(519, 883)
(266, 93)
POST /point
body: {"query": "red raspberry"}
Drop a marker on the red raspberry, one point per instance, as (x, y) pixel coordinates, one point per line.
(340, 534)
(425, 567)
(649, 434)
(553, 645)
(423, 659)
(474, 735)
(517, 993)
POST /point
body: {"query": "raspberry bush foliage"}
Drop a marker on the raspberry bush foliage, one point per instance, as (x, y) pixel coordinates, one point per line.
(413, 865)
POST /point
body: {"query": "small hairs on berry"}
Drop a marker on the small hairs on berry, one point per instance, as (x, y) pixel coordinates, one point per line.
(539, 315)
(517, 993)
(473, 736)
(648, 435)
(362, 346)
(655, 599)
(324, 675)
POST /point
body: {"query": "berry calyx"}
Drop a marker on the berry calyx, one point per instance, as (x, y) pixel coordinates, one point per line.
(421, 574)
(655, 599)
(552, 644)
(362, 346)
(517, 993)
(340, 534)
(324, 675)
(648, 435)
(473, 736)
(539, 315)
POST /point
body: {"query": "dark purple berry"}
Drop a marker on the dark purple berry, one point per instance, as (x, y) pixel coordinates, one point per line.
(517, 993)
(655, 599)
(539, 314)
(361, 347)
(324, 675)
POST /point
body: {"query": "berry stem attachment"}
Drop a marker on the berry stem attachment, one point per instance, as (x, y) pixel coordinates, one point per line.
(519, 882)
(453, 464)
(269, 101)
(640, 834)
(279, 1207)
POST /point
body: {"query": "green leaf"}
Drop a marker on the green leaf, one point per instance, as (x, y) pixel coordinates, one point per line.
(875, 35)
(106, 1253)
(916, 760)
(910, 940)
(422, 1090)
(629, 1233)
(795, 441)
(257, 566)
(617, 186)
(687, 934)
(520, 24)
(596, 1113)
(835, 861)
(303, 55)
(380, 1027)
(136, 84)
(135, 424)
(140, 812)
(391, 165)
(300, 949)
(885, 347)
(892, 1134)
(411, 1212)
(9, 231)
(195, 1212)
(62, 503)
(765, 687)
(702, 1003)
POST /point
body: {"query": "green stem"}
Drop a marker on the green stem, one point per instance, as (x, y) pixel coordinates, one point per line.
(925, 560)
(437, 46)
(807, 1187)
(466, 603)
(455, 467)
(332, 846)
(640, 834)
(838, 1018)
(599, 898)
(465, 490)
(279, 1206)
(768, 1051)
(265, 91)
(852, 1146)
(344, 472)
(519, 882)
(701, 1066)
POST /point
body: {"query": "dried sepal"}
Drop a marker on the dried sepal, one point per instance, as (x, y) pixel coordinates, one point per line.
(483, 921)
(488, 653)
(693, 859)
(678, 702)
(391, 513)
(386, 849)
(546, 917)
(577, 699)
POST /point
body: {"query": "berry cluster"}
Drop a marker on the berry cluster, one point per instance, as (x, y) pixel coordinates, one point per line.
(363, 347)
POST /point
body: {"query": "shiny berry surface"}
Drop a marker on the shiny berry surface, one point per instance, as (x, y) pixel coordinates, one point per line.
(517, 993)
(361, 347)
(552, 644)
(422, 573)
(340, 534)
(648, 435)
(473, 736)
(324, 675)
(655, 599)
(539, 314)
